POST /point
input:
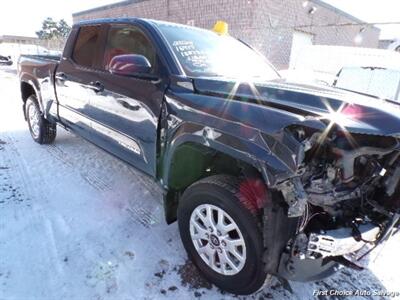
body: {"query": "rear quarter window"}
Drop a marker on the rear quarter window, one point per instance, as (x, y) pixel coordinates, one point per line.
(84, 52)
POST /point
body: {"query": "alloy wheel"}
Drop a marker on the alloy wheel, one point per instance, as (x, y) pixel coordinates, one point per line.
(217, 239)
(34, 120)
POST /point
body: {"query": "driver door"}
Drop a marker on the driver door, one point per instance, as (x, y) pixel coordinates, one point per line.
(126, 109)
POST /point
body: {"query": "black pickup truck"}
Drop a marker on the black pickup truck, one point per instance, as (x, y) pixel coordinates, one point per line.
(264, 177)
(5, 60)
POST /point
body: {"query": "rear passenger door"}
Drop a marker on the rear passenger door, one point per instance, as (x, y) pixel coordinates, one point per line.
(76, 78)
(125, 114)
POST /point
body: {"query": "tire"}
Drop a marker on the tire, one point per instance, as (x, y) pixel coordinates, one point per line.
(245, 273)
(42, 131)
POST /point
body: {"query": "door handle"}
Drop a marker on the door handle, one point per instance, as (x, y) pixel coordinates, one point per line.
(61, 76)
(96, 86)
(128, 106)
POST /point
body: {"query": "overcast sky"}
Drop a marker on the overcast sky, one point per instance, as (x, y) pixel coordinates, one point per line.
(21, 17)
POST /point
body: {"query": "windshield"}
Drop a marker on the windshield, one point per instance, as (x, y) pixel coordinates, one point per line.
(203, 53)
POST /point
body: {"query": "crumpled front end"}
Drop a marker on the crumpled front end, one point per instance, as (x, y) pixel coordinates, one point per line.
(344, 199)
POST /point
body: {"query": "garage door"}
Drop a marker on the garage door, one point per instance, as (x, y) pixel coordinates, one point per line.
(300, 40)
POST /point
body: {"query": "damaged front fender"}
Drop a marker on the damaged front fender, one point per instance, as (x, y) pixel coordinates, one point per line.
(262, 142)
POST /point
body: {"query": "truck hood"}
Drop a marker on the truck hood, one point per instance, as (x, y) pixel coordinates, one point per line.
(354, 112)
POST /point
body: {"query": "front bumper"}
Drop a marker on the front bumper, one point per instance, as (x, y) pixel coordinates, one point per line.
(315, 257)
(341, 241)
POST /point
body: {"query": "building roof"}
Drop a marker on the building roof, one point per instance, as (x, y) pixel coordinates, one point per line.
(128, 2)
(337, 10)
(17, 37)
(108, 6)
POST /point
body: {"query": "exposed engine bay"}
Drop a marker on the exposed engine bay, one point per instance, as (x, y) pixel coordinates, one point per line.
(346, 195)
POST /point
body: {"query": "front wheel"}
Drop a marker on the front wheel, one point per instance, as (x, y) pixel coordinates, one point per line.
(42, 131)
(221, 235)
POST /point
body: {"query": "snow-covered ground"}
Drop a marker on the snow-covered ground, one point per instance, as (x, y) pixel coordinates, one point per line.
(77, 223)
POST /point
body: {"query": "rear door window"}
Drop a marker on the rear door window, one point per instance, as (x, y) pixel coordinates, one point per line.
(127, 39)
(85, 49)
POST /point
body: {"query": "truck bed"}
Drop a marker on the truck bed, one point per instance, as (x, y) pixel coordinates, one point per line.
(38, 65)
(55, 58)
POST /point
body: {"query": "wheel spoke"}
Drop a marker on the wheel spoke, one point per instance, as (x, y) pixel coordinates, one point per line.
(198, 232)
(237, 255)
(207, 251)
(203, 218)
(228, 227)
(209, 216)
(221, 218)
(211, 258)
(203, 250)
(222, 262)
(227, 260)
(232, 245)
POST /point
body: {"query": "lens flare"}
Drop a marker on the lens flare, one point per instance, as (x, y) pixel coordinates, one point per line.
(339, 118)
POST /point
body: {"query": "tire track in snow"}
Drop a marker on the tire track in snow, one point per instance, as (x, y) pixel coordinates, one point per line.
(140, 211)
(8, 190)
(88, 175)
(20, 176)
(142, 216)
(148, 183)
(17, 172)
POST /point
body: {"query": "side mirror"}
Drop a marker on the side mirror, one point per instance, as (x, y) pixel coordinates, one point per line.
(130, 65)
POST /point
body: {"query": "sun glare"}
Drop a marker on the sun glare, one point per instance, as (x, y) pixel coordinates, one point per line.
(340, 117)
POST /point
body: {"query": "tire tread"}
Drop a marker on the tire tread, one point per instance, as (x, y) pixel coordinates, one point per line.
(231, 184)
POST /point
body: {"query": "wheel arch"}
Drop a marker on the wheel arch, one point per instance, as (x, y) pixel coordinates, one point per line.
(29, 88)
(192, 157)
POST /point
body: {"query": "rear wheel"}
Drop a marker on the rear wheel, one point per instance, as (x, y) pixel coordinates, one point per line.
(42, 131)
(221, 234)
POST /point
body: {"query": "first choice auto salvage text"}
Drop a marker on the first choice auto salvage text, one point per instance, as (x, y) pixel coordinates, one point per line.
(334, 292)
